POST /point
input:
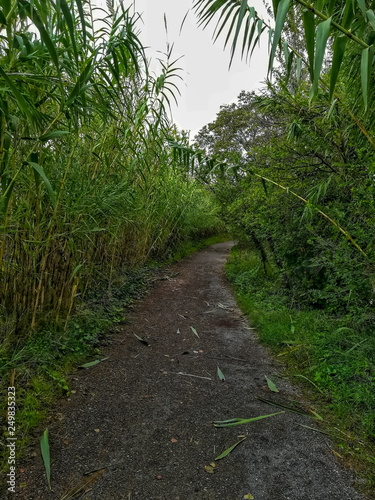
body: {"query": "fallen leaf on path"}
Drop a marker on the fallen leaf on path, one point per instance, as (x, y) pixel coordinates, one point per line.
(239, 421)
(220, 374)
(272, 403)
(191, 375)
(174, 440)
(141, 340)
(194, 331)
(159, 477)
(271, 385)
(314, 429)
(230, 449)
(44, 446)
(82, 485)
(212, 468)
(249, 496)
(92, 363)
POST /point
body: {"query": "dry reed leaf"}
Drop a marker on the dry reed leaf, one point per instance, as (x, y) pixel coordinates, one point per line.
(83, 485)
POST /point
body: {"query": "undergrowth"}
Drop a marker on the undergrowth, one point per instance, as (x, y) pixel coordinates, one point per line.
(41, 364)
(330, 355)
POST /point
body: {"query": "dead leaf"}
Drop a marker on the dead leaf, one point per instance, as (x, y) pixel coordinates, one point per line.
(174, 440)
(141, 340)
(336, 454)
(83, 485)
(97, 430)
(249, 496)
(159, 477)
(212, 468)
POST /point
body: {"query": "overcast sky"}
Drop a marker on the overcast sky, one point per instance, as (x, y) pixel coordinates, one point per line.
(207, 81)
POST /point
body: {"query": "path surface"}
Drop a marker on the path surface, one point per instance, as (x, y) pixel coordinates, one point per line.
(139, 425)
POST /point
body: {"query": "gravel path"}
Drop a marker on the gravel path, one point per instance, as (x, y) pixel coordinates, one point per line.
(139, 424)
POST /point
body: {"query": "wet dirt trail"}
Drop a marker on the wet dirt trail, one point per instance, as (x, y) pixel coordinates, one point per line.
(139, 424)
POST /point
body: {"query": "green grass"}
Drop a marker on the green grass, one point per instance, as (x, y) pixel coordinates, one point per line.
(331, 356)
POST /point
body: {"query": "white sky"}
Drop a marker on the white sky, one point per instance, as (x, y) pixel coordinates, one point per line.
(207, 82)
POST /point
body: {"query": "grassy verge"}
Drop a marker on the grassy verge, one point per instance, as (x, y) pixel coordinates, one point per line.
(328, 355)
(41, 364)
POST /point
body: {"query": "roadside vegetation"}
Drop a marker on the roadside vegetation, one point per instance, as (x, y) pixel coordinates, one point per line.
(92, 197)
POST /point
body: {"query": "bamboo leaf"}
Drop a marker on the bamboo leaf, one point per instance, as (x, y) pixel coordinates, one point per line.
(69, 21)
(371, 18)
(230, 449)
(75, 271)
(220, 374)
(275, 7)
(80, 86)
(53, 135)
(348, 14)
(271, 385)
(366, 68)
(83, 21)
(194, 331)
(44, 446)
(34, 16)
(338, 54)
(92, 363)
(21, 101)
(282, 10)
(309, 27)
(5, 198)
(331, 7)
(286, 52)
(39, 170)
(240, 421)
(321, 42)
(362, 6)
(272, 403)
(299, 67)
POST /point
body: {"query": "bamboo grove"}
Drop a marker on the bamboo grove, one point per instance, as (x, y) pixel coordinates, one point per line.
(88, 183)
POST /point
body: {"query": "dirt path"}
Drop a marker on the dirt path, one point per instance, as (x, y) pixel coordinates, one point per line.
(139, 425)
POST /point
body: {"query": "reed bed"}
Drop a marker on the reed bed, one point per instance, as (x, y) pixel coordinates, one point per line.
(88, 182)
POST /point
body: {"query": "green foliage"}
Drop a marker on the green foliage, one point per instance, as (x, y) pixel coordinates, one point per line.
(333, 355)
(88, 181)
(349, 19)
